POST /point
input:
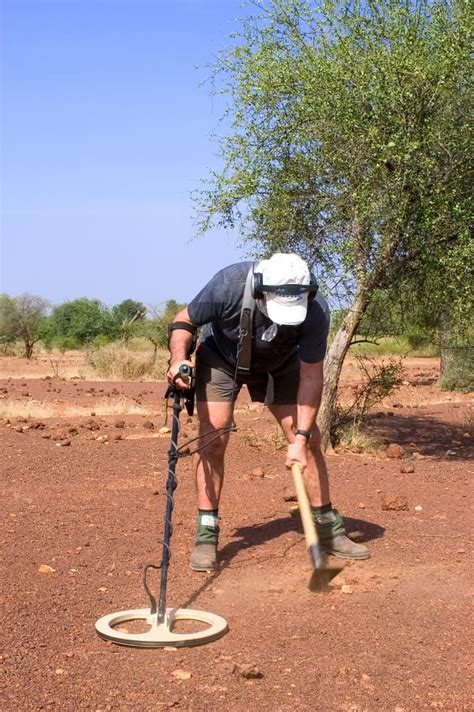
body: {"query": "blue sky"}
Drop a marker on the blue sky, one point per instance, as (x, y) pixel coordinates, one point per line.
(105, 133)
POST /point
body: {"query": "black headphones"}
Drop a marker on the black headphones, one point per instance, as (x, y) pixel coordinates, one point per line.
(258, 289)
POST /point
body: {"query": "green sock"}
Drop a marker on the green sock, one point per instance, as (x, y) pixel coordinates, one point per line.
(323, 509)
(329, 522)
(207, 529)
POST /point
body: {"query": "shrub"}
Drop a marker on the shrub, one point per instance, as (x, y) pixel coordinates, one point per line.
(63, 344)
(117, 361)
(81, 321)
(378, 381)
(418, 337)
(393, 346)
(354, 437)
(458, 372)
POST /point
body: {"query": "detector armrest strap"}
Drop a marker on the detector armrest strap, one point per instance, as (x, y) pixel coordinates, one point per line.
(184, 326)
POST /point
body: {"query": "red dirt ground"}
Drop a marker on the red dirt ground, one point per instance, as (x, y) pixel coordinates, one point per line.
(391, 635)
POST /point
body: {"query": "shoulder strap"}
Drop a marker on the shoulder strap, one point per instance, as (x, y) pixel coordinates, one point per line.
(246, 324)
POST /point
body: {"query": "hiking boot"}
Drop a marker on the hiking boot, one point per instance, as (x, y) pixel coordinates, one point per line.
(341, 546)
(333, 538)
(204, 557)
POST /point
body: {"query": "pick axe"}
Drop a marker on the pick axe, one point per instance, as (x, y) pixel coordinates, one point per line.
(323, 573)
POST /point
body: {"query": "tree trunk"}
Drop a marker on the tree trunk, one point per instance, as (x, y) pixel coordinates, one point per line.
(29, 345)
(333, 365)
(154, 355)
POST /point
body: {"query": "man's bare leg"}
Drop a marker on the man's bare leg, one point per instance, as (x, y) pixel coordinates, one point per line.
(316, 474)
(209, 478)
(209, 462)
(328, 521)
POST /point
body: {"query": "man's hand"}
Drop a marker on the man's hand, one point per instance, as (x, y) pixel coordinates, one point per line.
(297, 452)
(181, 382)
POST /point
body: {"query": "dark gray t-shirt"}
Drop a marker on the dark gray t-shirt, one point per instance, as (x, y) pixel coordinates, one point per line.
(218, 305)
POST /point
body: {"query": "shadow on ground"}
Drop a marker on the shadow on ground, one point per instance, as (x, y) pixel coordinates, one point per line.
(425, 434)
(259, 534)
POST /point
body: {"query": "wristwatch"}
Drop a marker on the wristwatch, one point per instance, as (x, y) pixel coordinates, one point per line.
(305, 433)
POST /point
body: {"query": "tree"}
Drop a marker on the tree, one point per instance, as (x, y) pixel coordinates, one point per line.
(80, 321)
(22, 318)
(156, 328)
(128, 311)
(127, 315)
(8, 320)
(350, 144)
(395, 313)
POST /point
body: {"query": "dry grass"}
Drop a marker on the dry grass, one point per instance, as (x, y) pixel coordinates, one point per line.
(128, 364)
(115, 406)
(357, 439)
(274, 440)
(33, 409)
(11, 408)
(114, 362)
(54, 364)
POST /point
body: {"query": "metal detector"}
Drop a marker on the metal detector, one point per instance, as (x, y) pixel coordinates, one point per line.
(159, 620)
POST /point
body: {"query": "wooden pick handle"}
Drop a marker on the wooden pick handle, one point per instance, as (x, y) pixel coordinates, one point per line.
(304, 505)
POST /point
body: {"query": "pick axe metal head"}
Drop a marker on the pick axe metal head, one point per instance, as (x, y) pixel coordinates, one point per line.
(323, 573)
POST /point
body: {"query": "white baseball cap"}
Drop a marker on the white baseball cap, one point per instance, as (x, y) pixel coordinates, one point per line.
(281, 269)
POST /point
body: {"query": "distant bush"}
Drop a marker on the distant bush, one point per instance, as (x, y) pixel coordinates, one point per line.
(100, 341)
(458, 373)
(80, 321)
(128, 311)
(62, 343)
(118, 362)
(395, 323)
(418, 337)
(10, 349)
(395, 346)
(22, 319)
(115, 362)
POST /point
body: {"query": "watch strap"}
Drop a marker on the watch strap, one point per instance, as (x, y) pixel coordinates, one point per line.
(305, 433)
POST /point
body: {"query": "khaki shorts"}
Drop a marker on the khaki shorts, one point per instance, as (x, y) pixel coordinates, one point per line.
(215, 380)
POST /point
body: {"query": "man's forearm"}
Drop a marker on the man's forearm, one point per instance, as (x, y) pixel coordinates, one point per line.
(309, 399)
(180, 345)
(306, 417)
(180, 338)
